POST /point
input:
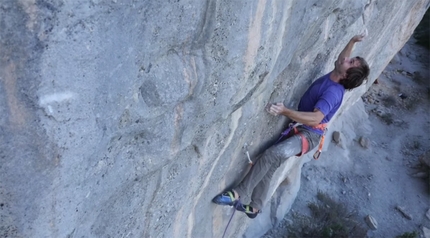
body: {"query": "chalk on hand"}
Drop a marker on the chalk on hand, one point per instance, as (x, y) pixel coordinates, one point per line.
(365, 32)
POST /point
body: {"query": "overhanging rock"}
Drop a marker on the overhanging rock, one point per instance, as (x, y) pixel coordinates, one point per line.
(125, 118)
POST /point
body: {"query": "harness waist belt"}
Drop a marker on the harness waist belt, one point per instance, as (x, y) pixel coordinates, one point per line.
(305, 143)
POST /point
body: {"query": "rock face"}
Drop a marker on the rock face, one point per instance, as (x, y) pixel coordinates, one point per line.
(124, 118)
(371, 222)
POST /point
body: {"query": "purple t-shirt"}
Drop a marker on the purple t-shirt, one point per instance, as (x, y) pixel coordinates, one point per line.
(324, 95)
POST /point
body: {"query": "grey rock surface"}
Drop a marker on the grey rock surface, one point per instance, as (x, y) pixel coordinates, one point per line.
(426, 232)
(404, 213)
(336, 137)
(125, 118)
(371, 222)
(364, 142)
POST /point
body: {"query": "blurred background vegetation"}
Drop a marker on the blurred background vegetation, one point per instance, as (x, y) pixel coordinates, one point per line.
(422, 32)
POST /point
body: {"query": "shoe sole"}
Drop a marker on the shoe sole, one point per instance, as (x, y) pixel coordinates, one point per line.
(215, 200)
(250, 215)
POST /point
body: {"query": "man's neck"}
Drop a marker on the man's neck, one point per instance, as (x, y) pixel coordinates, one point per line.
(335, 76)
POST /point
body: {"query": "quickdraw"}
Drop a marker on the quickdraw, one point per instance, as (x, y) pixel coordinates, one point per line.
(321, 144)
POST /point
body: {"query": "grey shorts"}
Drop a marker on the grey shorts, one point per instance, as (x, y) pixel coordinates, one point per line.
(312, 137)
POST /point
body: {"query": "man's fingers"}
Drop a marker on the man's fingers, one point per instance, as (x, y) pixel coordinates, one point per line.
(272, 113)
(364, 34)
(274, 110)
(267, 107)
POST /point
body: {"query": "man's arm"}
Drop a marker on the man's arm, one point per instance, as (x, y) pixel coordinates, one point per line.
(346, 52)
(308, 118)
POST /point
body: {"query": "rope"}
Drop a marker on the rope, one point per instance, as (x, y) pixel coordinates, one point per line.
(287, 131)
(235, 205)
(238, 203)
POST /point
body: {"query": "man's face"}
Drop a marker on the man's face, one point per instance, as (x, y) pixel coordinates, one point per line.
(344, 64)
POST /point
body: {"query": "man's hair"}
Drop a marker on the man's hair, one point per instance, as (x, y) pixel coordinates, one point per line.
(356, 75)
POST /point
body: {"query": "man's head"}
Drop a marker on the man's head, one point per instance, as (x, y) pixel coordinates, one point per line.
(354, 71)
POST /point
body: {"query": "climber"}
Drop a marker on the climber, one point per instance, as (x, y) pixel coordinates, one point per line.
(316, 107)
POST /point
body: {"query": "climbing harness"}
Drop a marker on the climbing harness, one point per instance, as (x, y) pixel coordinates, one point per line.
(305, 144)
(321, 144)
(292, 125)
(305, 147)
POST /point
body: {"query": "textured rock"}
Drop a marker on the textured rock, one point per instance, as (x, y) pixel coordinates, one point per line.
(425, 159)
(426, 232)
(336, 137)
(364, 142)
(404, 213)
(371, 222)
(124, 118)
(420, 175)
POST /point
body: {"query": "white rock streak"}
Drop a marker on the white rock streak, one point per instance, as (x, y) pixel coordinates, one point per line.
(233, 126)
(56, 97)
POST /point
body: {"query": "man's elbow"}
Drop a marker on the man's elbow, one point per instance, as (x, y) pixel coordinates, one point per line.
(318, 117)
(315, 123)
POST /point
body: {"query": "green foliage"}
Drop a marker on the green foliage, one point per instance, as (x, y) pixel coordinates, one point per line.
(417, 77)
(416, 145)
(389, 101)
(428, 92)
(387, 118)
(329, 219)
(411, 103)
(422, 32)
(408, 235)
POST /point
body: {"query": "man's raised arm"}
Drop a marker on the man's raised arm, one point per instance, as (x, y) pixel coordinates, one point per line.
(346, 52)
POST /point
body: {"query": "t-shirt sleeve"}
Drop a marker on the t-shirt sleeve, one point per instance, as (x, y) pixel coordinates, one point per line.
(329, 100)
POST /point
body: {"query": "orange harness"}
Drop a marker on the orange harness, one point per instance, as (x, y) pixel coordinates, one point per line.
(322, 127)
(305, 143)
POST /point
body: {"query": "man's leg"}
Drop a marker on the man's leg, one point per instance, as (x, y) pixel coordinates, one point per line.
(263, 171)
(260, 192)
(265, 166)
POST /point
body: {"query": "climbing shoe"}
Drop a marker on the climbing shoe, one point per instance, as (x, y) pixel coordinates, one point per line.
(248, 210)
(226, 198)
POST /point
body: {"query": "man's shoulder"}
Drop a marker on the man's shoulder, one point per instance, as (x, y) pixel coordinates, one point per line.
(336, 89)
(321, 81)
(324, 77)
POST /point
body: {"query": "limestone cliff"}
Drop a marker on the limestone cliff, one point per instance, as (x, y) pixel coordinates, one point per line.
(125, 118)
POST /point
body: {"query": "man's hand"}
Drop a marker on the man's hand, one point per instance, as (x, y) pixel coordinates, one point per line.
(277, 109)
(308, 118)
(346, 52)
(358, 38)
